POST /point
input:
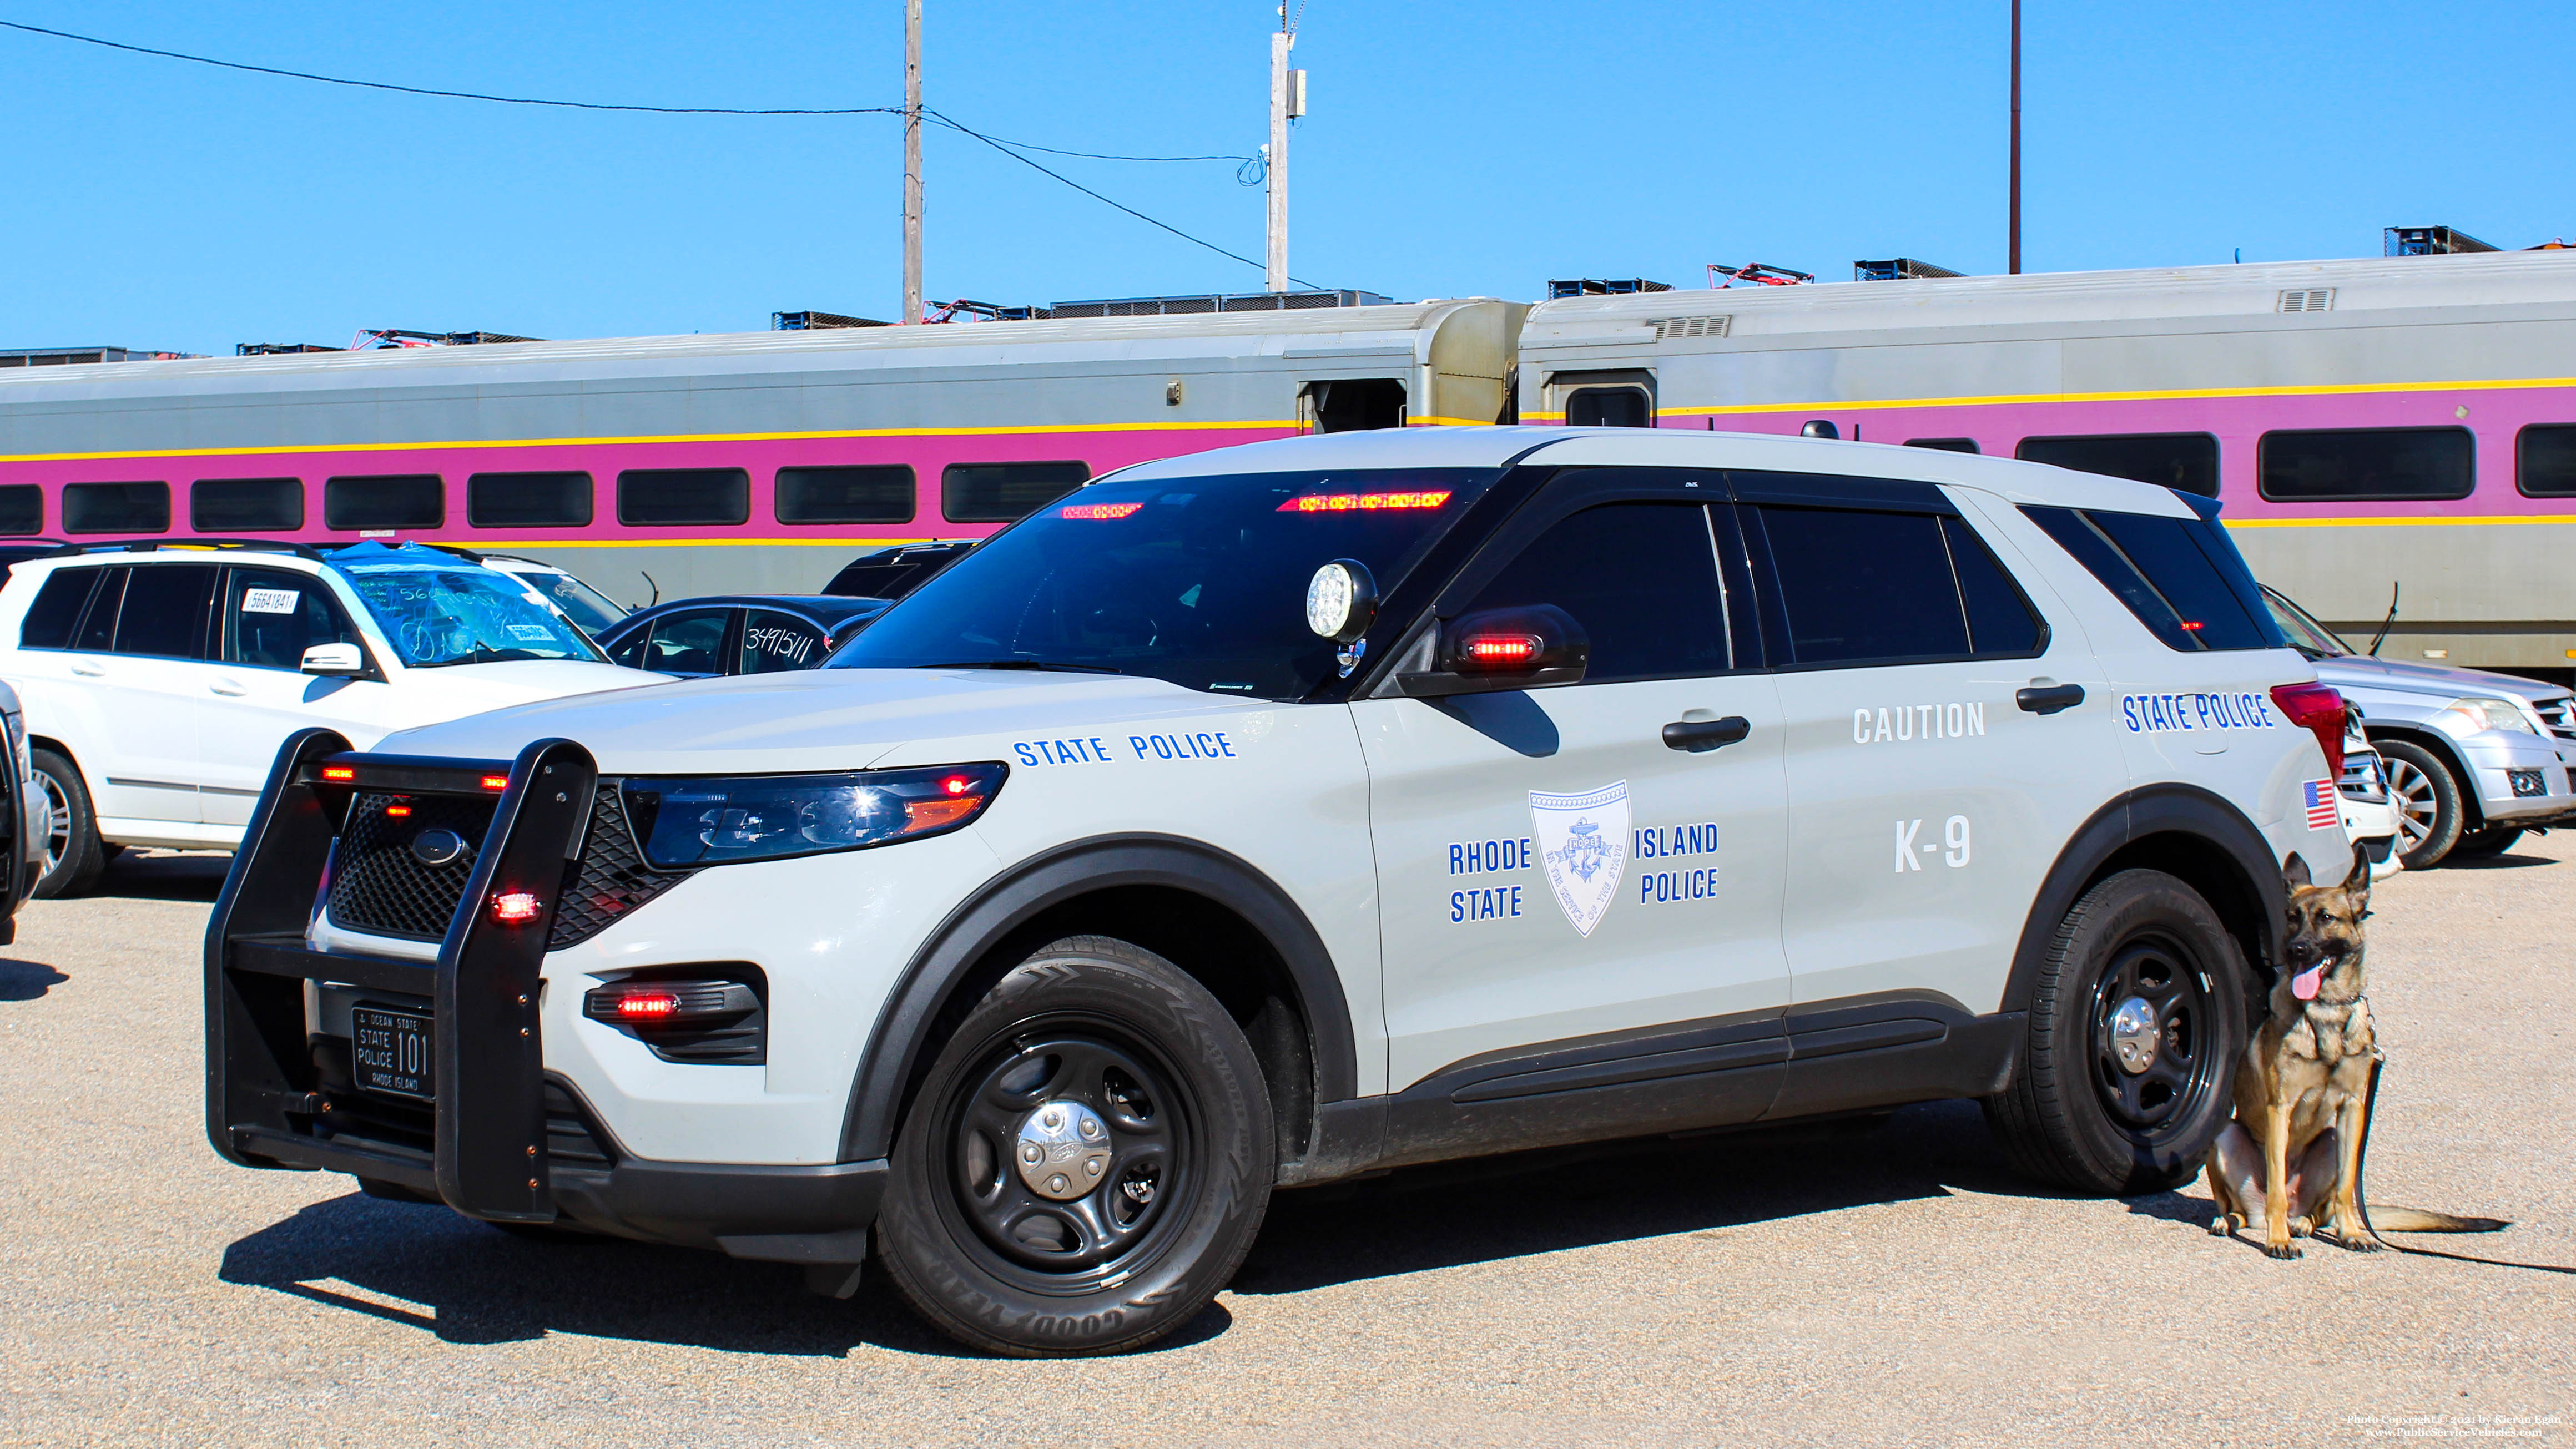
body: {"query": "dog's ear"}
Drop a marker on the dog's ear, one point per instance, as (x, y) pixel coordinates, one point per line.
(2359, 880)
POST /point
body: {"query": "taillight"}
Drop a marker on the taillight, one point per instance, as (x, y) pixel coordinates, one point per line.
(2319, 710)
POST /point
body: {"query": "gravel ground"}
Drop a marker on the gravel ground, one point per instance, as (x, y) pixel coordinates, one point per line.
(1884, 1286)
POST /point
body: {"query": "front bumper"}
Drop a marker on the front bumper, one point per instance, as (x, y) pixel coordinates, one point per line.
(504, 1140)
(2518, 779)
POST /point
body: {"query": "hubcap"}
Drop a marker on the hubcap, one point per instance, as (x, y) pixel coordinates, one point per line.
(2135, 1034)
(58, 821)
(1063, 1150)
(2412, 791)
(1066, 1150)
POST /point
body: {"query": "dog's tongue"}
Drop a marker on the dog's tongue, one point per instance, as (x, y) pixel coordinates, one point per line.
(2304, 985)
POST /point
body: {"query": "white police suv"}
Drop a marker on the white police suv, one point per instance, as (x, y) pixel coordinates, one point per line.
(1278, 814)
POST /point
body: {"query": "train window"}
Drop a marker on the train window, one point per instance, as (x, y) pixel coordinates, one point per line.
(2544, 464)
(684, 496)
(385, 500)
(116, 508)
(22, 509)
(1352, 404)
(1946, 445)
(879, 494)
(1005, 492)
(2186, 462)
(1608, 407)
(57, 609)
(528, 500)
(246, 505)
(2367, 464)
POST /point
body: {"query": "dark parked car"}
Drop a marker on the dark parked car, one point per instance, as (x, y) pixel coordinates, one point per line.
(891, 573)
(738, 633)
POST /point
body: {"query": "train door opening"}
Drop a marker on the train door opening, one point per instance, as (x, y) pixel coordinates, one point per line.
(1610, 399)
(1351, 405)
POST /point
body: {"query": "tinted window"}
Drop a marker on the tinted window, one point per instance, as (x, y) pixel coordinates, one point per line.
(1946, 445)
(98, 626)
(2181, 577)
(388, 500)
(527, 500)
(2186, 462)
(773, 642)
(2544, 463)
(22, 508)
(1005, 492)
(57, 609)
(892, 573)
(688, 642)
(1607, 407)
(2362, 464)
(271, 616)
(683, 496)
(246, 505)
(1859, 586)
(845, 495)
(2000, 620)
(1641, 578)
(116, 508)
(165, 610)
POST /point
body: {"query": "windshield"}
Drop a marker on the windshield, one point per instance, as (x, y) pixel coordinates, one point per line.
(450, 613)
(2305, 634)
(1199, 581)
(591, 609)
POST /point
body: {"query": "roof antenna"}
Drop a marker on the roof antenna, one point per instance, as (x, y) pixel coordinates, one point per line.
(2384, 623)
(657, 588)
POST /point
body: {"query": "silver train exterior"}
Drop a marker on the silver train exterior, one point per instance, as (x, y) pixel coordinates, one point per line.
(2371, 423)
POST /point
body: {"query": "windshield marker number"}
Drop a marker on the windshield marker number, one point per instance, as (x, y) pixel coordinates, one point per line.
(1952, 847)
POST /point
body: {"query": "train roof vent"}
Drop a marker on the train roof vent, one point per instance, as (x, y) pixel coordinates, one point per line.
(2311, 299)
(1226, 302)
(1602, 287)
(1898, 269)
(1671, 327)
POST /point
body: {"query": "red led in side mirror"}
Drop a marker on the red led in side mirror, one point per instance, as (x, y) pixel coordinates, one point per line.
(1532, 646)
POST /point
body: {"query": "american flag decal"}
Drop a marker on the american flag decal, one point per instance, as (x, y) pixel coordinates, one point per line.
(2325, 809)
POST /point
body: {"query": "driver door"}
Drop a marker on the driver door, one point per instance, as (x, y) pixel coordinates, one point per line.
(258, 692)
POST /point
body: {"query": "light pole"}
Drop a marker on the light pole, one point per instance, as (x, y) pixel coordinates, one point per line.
(912, 160)
(1277, 155)
(2012, 261)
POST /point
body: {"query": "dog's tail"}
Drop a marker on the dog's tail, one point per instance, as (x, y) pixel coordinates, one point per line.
(2423, 1220)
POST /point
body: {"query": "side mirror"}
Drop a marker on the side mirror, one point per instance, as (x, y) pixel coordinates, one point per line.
(334, 659)
(1529, 647)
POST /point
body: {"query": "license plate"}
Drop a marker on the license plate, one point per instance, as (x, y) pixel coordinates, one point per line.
(393, 1053)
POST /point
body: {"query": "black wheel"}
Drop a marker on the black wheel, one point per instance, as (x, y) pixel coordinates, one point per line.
(2136, 1023)
(2427, 798)
(1085, 1164)
(2482, 844)
(74, 855)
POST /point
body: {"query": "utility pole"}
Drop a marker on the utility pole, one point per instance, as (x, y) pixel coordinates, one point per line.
(1287, 99)
(2013, 259)
(912, 159)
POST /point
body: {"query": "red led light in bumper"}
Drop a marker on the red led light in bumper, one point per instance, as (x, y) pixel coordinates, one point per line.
(516, 908)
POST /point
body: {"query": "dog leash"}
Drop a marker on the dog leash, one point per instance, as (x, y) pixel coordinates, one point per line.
(2361, 1199)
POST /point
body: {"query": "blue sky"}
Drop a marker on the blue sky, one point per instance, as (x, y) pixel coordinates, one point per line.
(1454, 148)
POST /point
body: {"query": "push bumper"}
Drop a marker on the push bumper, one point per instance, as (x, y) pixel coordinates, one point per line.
(503, 1140)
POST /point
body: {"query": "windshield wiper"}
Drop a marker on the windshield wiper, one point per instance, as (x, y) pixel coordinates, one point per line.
(1021, 664)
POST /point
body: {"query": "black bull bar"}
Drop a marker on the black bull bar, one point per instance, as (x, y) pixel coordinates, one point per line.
(489, 1155)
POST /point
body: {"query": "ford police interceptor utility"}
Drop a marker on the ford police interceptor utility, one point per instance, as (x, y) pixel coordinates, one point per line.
(1273, 815)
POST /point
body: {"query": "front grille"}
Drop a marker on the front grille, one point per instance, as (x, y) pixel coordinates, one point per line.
(379, 885)
(610, 879)
(2559, 715)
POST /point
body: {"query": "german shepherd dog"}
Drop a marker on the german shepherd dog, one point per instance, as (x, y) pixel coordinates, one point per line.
(2303, 1093)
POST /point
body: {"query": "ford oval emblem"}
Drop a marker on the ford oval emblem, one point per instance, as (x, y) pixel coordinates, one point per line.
(435, 847)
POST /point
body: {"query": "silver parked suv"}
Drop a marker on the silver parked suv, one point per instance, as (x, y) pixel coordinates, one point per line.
(2474, 759)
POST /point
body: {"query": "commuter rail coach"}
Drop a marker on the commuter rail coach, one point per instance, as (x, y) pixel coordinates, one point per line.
(2369, 425)
(755, 462)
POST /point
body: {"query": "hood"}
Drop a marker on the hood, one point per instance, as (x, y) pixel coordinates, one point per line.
(2360, 671)
(816, 719)
(471, 687)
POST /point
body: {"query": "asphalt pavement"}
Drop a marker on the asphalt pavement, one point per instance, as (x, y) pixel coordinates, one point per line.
(1887, 1285)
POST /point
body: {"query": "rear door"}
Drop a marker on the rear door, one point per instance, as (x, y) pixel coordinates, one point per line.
(692, 643)
(142, 650)
(1925, 804)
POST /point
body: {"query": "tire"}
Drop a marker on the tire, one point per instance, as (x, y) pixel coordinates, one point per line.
(2072, 1113)
(74, 856)
(2485, 844)
(1034, 1266)
(2427, 797)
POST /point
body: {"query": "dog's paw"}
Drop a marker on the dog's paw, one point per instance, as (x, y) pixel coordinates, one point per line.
(2218, 1226)
(2284, 1251)
(2302, 1228)
(2354, 1242)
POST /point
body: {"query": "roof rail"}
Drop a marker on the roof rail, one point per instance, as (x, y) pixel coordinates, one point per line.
(154, 545)
(461, 551)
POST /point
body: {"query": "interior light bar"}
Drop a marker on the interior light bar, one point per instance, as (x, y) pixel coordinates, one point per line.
(1364, 502)
(1097, 510)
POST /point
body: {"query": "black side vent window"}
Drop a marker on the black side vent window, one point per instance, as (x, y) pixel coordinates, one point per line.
(57, 609)
(2182, 578)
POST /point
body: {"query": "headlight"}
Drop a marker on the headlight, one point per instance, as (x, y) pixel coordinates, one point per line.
(2491, 714)
(689, 822)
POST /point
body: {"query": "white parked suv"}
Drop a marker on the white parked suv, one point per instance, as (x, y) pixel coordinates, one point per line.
(159, 681)
(1295, 811)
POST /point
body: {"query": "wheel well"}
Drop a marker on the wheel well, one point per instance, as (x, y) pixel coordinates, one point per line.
(2463, 781)
(2209, 869)
(1212, 944)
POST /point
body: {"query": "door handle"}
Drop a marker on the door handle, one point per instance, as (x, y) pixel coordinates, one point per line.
(84, 667)
(230, 688)
(2049, 698)
(1699, 736)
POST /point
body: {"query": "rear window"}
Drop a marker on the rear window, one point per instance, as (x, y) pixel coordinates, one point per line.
(57, 609)
(2181, 577)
